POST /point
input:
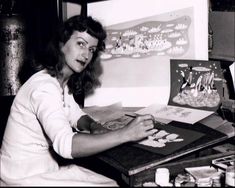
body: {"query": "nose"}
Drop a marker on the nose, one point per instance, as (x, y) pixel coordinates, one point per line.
(85, 54)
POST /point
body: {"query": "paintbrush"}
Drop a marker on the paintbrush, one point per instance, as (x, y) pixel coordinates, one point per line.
(154, 120)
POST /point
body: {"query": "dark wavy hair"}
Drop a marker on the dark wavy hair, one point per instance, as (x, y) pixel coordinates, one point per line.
(53, 60)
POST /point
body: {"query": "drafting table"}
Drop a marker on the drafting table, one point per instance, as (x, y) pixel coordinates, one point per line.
(136, 165)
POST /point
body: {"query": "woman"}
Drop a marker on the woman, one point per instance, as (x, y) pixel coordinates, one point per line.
(44, 114)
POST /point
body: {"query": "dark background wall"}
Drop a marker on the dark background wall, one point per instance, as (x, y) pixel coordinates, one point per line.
(40, 18)
(222, 5)
(222, 27)
(222, 30)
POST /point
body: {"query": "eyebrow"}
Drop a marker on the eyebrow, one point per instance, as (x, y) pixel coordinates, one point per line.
(95, 46)
(82, 39)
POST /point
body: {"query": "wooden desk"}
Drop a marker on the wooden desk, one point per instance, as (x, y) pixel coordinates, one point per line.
(136, 165)
(199, 158)
(176, 167)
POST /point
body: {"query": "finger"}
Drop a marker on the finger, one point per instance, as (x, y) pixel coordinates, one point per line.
(145, 125)
(147, 122)
(150, 119)
(144, 117)
(141, 124)
(148, 127)
(151, 132)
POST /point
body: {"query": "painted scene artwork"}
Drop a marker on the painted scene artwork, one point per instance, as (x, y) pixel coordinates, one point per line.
(196, 84)
(169, 38)
(143, 48)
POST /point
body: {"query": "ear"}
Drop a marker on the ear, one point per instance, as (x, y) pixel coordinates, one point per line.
(61, 45)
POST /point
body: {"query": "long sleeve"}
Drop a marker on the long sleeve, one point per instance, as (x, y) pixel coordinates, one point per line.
(47, 104)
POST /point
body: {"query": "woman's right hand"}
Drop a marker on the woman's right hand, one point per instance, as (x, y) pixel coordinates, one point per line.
(90, 144)
(139, 128)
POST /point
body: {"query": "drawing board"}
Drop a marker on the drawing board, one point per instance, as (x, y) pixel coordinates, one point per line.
(140, 44)
(132, 159)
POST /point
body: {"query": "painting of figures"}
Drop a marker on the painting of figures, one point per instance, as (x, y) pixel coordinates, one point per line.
(149, 38)
(142, 49)
(196, 84)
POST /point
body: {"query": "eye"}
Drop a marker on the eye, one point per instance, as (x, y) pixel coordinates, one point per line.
(92, 50)
(81, 44)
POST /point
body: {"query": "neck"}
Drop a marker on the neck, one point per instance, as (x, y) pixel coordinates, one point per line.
(63, 81)
(64, 77)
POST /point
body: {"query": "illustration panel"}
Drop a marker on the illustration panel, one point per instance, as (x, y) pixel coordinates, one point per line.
(196, 84)
(138, 52)
(149, 38)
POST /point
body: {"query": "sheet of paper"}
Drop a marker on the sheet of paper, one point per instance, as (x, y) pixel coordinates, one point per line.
(103, 114)
(111, 117)
(181, 114)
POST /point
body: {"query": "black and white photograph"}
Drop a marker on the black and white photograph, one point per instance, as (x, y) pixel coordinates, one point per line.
(117, 93)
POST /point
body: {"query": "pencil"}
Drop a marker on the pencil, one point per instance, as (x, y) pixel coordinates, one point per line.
(132, 116)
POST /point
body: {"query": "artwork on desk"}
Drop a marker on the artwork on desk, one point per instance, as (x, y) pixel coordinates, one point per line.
(169, 139)
(117, 123)
(196, 84)
(103, 114)
(176, 113)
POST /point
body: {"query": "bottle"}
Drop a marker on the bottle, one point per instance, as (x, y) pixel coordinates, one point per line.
(162, 177)
(230, 176)
(206, 182)
(216, 181)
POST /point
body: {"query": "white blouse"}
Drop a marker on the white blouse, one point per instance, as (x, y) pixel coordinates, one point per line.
(42, 115)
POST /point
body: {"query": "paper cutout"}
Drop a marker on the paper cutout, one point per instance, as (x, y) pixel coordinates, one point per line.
(168, 139)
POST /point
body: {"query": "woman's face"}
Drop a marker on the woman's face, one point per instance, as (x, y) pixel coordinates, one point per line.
(78, 51)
